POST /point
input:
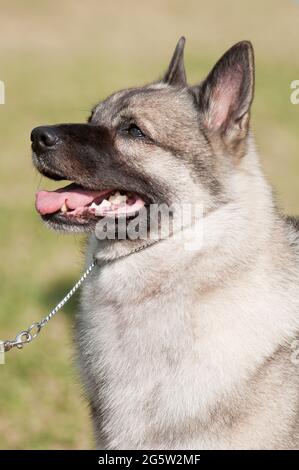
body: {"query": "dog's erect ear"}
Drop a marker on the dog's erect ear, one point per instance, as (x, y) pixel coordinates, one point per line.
(225, 96)
(175, 74)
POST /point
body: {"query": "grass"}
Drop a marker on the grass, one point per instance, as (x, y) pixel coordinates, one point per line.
(58, 59)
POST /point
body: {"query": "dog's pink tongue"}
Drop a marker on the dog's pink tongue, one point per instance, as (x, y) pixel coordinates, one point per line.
(48, 202)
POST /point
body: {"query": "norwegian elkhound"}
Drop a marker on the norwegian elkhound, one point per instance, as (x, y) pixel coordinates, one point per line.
(180, 348)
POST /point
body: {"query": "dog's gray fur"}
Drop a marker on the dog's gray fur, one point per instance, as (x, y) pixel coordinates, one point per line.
(192, 349)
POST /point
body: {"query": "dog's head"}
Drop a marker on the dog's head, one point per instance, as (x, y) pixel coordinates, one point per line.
(166, 142)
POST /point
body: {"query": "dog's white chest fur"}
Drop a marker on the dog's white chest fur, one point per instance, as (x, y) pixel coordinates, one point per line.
(171, 363)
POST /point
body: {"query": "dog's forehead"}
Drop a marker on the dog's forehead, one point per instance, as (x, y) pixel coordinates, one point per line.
(155, 99)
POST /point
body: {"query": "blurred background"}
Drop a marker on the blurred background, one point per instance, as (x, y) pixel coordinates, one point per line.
(57, 59)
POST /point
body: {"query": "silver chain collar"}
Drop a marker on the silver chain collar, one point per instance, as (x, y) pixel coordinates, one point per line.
(26, 336)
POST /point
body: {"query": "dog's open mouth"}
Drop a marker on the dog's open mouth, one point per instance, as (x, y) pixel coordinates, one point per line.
(76, 205)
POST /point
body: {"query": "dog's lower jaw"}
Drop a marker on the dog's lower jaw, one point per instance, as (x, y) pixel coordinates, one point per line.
(66, 227)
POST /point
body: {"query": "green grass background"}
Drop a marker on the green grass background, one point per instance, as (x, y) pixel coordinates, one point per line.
(58, 58)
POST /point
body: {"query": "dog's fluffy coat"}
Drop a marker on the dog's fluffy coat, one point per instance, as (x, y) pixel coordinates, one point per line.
(192, 349)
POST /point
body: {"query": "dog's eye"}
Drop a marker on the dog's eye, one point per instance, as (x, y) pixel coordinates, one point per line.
(135, 132)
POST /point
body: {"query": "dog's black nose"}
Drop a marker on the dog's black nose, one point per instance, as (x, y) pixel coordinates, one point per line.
(44, 137)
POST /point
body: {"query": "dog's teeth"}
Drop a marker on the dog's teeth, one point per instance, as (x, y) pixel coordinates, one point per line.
(63, 208)
(117, 198)
(99, 207)
(105, 203)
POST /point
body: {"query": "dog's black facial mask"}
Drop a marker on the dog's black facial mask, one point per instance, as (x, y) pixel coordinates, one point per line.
(86, 155)
(72, 151)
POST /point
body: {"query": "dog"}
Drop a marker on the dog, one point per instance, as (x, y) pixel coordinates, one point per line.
(180, 348)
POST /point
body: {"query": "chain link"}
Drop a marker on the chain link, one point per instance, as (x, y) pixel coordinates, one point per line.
(26, 336)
